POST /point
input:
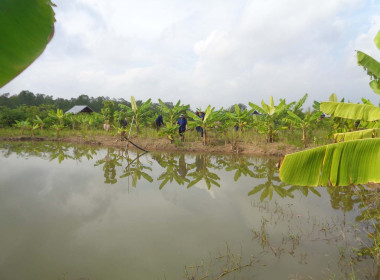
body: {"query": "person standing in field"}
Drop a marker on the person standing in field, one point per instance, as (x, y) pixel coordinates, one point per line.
(106, 126)
(124, 131)
(182, 126)
(199, 128)
(159, 122)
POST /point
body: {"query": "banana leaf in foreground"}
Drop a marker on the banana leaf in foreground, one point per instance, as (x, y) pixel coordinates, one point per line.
(351, 111)
(372, 66)
(360, 134)
(26, 27)
(340, 164)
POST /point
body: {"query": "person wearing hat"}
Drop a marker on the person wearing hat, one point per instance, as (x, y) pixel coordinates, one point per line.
(182, 126)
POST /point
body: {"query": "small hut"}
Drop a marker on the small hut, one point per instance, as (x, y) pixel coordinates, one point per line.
(80, 109)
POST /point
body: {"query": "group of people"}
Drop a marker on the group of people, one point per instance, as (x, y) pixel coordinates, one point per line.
(182, 122)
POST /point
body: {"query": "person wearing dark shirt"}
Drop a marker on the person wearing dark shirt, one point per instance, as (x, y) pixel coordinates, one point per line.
(159, 122)
(182, 126)
(199, 128)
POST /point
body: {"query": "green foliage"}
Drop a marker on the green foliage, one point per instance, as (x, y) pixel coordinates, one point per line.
(240, 118)
(268, 122)
(174, 170)
(333, 98)
(304, 123)
(209, 120)
(170, 131)
(108, 111)
(360, 134)
(340, 164)
(23, 125)
(139, 113)
(273, 183)
(172, 113)
(377, 40)
(298, 105)
(351, 111)
(345, 163)
(372, 67)
(26, 27)
(202, 172)
(135, 170)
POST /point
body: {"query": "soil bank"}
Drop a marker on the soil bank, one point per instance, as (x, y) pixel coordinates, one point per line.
(164, 145)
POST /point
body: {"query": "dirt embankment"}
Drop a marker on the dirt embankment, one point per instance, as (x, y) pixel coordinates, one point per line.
(265, 149)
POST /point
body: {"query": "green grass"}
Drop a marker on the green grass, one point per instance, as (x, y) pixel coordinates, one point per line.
(250, 136)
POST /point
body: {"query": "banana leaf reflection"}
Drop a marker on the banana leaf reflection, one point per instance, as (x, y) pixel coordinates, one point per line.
(268, 170)
(201, 165)
(109, 163)
(174, 170)
(361, 202)
(135, 170)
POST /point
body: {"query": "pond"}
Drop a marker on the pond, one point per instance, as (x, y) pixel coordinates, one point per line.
(76, 212)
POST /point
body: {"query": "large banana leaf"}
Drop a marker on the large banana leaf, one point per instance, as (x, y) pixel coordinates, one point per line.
(371, 65)
(333, 98)
(351, 111)
(375, 86)
(377, 40)
(26, 27)
(133, 104)
(340, 164)
(360, 134)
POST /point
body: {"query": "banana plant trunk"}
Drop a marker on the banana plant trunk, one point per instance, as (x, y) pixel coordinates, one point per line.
(270, 140)
(204, 135)
(304, 137)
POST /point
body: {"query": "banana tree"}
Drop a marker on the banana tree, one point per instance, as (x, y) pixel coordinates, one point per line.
(223, 125)
(296, 109)
(33, 128)
(170, 131)
(38, 121)
(138, 112)
(59, 118)
(340, 164)
(23, 125)
(304, 123)
(268, 122)
(209, 120)
(172, 113)
(108, 111)
(240, 118)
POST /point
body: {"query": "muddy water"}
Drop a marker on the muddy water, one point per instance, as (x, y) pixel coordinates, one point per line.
(72, 212)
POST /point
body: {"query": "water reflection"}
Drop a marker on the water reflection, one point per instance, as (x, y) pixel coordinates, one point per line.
(174, 169)
(187, 171)
(201, 167)
(214, 173)
(109, 163)
(135, 169)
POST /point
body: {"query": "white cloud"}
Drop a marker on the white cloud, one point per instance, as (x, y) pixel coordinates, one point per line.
(206, 52)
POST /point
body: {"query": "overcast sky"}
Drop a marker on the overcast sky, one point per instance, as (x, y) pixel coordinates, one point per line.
(217, 52)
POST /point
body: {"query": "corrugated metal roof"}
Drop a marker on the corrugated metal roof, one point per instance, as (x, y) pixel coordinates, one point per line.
(77, 109)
